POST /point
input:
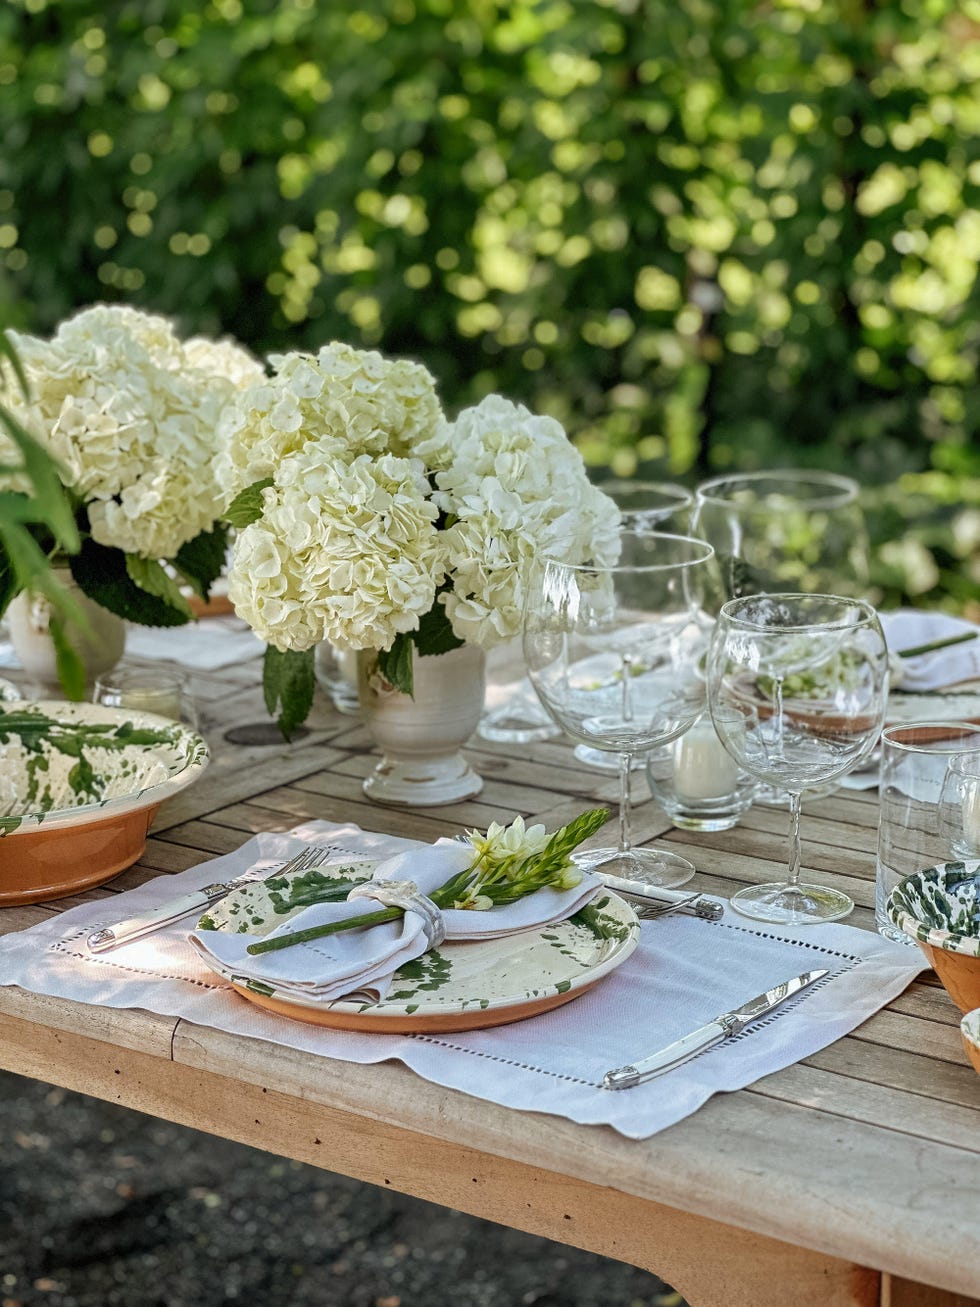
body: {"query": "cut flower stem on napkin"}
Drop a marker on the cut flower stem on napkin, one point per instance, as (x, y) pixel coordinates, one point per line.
(509, 863)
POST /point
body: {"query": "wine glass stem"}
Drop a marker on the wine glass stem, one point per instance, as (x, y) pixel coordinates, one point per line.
(625, 802)
(795, 807)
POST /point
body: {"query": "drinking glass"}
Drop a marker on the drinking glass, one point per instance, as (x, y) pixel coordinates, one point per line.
(645, 506)
(959, 805)
(916, 758)
(163, 691)
(610, 651)
(778, 531)
(792, 529)
(797, 688)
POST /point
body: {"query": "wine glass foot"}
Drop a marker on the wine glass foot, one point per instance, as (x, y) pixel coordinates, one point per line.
(791, 905)
(652, 866)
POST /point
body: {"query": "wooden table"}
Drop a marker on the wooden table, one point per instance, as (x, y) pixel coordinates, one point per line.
(850, 1178)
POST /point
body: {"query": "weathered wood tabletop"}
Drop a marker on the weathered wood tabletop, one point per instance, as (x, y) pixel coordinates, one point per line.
(851, 1177)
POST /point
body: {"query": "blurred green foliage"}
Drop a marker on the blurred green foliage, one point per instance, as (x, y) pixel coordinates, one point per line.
(705, 234)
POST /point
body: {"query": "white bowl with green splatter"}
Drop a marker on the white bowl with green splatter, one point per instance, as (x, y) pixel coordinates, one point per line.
(940, 908)
(79, 785)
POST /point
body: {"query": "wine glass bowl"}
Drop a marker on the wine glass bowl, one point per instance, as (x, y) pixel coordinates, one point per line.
(792, 530)
(797, 688)
(611, 651)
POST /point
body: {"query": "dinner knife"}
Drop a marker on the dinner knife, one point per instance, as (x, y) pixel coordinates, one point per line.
(721, 1028)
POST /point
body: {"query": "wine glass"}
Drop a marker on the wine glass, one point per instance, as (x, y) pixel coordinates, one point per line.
(959, 805)
(793, 529)
(644, 506)
(610, 651)
(797, 688)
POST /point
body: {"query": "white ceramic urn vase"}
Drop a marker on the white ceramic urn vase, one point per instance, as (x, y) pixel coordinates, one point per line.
(420, 735)
(29, 623)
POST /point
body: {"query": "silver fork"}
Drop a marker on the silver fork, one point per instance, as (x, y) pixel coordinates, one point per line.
(122, 932)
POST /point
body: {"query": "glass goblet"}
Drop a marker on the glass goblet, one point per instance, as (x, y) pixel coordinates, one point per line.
(645, 506)
(797, 689)
(794, 529)
(959, 805)
(609, 650)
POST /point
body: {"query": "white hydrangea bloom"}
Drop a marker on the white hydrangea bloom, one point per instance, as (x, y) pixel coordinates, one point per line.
(344, 551)
(518, 489)
(354, 400)
(131, 413)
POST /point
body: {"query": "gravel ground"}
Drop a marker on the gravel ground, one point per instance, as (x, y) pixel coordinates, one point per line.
(101, 1206)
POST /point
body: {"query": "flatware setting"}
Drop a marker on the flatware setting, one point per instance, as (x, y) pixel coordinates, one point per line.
(122, 932)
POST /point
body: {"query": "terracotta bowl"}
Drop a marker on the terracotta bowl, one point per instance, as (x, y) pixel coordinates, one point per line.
(940, 907)
(970, 1030)
(79, 786)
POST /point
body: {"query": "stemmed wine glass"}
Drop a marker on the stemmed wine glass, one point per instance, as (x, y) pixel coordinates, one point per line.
(610, 651)
(793, 529)
(797, 689)
(645, 506)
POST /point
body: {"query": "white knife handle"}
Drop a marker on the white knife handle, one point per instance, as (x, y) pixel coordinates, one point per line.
(625, 1077)
(133, 927)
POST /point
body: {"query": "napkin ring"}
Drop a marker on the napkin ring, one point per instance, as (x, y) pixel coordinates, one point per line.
(405, 894)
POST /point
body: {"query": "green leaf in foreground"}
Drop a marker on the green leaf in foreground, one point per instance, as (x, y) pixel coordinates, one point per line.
(247, 505)
(288, 683)
(71, 669)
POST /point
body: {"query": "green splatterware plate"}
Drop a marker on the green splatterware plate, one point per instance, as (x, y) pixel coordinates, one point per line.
(462, 985)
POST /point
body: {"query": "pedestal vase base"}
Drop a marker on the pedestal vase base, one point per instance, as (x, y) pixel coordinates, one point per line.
(425, 783)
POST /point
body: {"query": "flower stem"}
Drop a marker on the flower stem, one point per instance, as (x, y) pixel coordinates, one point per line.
(331, 928)
(937, 644)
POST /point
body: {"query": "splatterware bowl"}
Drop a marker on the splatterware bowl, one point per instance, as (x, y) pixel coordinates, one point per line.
(80, 784)
(970, 1030)
(940, 908)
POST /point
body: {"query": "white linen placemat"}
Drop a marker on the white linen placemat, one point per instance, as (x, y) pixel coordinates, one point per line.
(684, 972)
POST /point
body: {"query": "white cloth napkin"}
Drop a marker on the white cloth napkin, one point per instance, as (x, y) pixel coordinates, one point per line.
(684, 972)
(204, 646)
(365, 959)
(907, 629)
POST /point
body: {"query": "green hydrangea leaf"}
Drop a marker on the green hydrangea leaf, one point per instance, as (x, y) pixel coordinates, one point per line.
(247, 505)
(395, 664)
(154, 578)
(102, 574)
(288, 683)
(202, 560)
(435, 635)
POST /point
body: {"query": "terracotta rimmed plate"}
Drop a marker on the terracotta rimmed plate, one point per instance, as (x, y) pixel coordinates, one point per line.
(461, 985)
(80, 784)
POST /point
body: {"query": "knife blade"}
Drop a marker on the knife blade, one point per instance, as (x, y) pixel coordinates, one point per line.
(706, 1036)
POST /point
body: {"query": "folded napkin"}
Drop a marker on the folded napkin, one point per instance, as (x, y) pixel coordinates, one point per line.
(907, 629)
(363, 960)
(205, 646)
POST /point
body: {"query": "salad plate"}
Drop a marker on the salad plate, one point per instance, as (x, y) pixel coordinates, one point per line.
(461, 985)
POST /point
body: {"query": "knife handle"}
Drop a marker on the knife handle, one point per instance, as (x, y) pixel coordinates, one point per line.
(625, 1077)
(133, 927)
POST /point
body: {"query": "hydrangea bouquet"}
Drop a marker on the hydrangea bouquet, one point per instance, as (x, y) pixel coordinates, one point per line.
(365, 518)
(129, 412)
